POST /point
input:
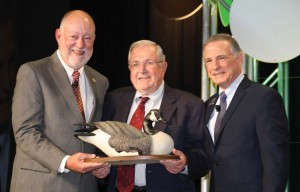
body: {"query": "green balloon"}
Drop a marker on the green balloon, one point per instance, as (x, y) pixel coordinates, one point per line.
(224, 11)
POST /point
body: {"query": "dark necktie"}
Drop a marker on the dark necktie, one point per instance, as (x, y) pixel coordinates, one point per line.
(76, 89)
(220, 116)
(125, 180)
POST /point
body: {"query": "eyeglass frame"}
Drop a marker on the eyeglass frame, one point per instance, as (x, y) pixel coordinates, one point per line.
(146, 63)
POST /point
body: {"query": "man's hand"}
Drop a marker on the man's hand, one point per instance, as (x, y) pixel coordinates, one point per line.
(77, 163)
(102, 172)
(175, 165)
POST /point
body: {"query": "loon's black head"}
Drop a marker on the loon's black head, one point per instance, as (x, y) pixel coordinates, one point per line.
(154, 115)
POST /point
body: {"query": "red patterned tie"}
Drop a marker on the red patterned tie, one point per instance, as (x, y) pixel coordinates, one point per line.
(76, 89)
(125, 180)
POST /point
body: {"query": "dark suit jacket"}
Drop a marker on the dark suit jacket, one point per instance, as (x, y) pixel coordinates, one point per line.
(44, 112)
(252, 152)
(184, 113)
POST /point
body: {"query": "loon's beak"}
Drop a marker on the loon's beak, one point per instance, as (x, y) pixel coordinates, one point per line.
(85, 130)
(161, 119)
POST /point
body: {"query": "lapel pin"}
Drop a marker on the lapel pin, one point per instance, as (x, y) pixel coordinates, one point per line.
(94, 80)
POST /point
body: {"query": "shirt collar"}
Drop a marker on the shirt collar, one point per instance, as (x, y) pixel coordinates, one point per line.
(155, 97)
(234, 85)
(68, 69)
(230, 91)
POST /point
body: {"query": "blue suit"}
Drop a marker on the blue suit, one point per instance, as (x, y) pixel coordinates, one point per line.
(251, 153)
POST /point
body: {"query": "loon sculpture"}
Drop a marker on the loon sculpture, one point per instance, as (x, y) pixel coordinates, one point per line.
(121, 139)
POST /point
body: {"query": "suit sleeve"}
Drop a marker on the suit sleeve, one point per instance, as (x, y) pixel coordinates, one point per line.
(27, 119)
(198, 163)
(272, 131)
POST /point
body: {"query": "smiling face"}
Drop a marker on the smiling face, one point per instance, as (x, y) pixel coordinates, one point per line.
(75, 39)
(146, 70)
(222, 66)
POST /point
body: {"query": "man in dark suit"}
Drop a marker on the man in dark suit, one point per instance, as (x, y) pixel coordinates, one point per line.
(183, 111)
(249, 151)
(48, 156)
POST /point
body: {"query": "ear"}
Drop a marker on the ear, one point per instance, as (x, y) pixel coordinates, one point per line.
(57, 35)
(240, 58)
(165, 66)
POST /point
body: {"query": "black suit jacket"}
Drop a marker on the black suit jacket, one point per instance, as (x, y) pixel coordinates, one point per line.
(251, 153)
(184, 113)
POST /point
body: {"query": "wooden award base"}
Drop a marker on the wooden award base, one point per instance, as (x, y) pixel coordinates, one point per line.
(131, 160)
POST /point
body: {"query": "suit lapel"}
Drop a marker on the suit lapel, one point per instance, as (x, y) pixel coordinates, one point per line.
(167, 107)
(123, 104)
(123, 113)
(210, 106)
(62, 83)
(91, 80)
(237, 98)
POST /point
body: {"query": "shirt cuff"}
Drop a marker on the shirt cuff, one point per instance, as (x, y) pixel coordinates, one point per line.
(61, 168)
(185, 170)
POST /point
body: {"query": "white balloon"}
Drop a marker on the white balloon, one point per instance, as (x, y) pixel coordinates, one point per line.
(268, 30)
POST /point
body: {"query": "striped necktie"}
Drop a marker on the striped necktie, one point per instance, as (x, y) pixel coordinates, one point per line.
(76, 90)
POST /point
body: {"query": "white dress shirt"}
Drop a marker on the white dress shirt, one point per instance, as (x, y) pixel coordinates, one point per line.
(86, 92)
(154, 102)
(230, 91)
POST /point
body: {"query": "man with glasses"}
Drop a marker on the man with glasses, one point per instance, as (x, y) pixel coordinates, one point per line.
(183, 112)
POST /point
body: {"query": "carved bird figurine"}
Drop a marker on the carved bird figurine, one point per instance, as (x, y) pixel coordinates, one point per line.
(121, 139)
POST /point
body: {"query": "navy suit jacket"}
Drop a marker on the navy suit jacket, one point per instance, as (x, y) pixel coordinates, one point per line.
(184, 113)
(251, 153)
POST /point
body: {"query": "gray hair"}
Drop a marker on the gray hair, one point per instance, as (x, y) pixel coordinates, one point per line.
(235, 48)
(159, 52)
(65, 17)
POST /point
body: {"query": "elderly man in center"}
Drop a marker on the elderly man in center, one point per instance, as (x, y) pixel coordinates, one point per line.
(183, 111)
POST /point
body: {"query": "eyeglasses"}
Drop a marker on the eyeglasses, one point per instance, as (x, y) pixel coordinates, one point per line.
(147, 64)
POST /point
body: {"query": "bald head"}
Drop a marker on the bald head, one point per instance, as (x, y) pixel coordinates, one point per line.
(75, 38)
(76, 14)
